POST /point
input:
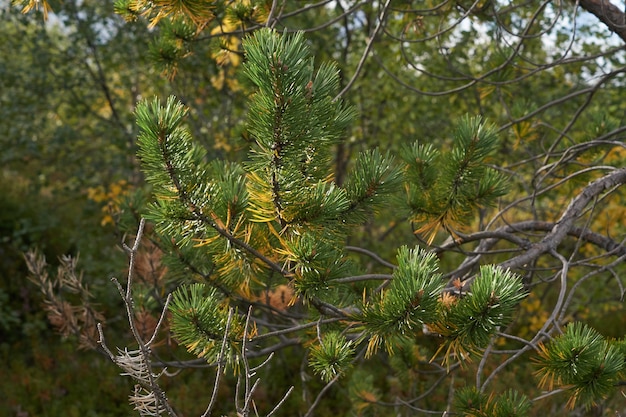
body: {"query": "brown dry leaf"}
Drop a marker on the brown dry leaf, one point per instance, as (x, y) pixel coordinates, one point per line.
(146, 324)
(448, 300)
(148, 266)
(62, 316)
(281, 297)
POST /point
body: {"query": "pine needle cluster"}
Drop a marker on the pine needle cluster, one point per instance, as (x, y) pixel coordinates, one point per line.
(582, 361)
(409, 302)
(469, 322)
(201, 321)
(472, 403)
(445, 189)
(332, 356)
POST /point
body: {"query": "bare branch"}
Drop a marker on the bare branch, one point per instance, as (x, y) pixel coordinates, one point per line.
(368, 48)
(150, 394)
(364, 277)
(282, 400)
(220, 365)
(161, 320)
(321, 394)
(371, 255)
(565, 224)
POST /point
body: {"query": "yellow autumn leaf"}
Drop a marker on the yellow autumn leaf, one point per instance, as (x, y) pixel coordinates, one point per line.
(616, 155)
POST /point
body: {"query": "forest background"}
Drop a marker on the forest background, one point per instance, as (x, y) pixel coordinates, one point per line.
(550, 76)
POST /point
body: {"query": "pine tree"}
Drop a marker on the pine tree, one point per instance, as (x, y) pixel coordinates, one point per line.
(237, 235)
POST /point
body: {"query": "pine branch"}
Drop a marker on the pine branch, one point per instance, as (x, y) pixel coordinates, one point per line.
(443, 190)
(164, 142)
(582, 362)
(409, 302)
(373, 180)
(293, 122)
(200, 322)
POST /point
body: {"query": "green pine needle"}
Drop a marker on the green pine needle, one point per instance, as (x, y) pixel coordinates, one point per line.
(294, 122)
(469, 323)
(583, 361)
(199, 322)
(420, 164)
(332, 356)
(171, 162)
(471, 402)
(410, 301)
(372, 181)
(317, 261)
(511, 404)
(444, 190)
(489, 305)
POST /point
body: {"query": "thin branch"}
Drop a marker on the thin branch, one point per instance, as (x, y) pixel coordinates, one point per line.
(160, 400)
(542, 332)
(483, 361)
(161, 320)
(585, 278)
(371, 255)
(270, 14)
(562, 291)
(248, 391)
(103, 344)
(364, 277)
(368, 48)
(296, 328)
(548, 394)
(323, 391)
(265, 362)
(100, 79)
(282, 400)
(221, 363)
(504, 364)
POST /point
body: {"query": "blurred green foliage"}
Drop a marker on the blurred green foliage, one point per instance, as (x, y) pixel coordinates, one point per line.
(68, 89)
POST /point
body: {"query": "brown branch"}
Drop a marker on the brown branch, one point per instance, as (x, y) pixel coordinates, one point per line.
(138, 364)
(491, 237)
(556, 232)
(371, 255)
(607, 13)
(565, 224)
